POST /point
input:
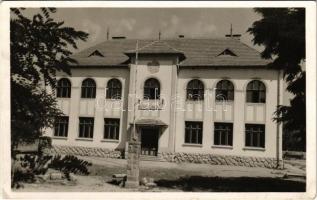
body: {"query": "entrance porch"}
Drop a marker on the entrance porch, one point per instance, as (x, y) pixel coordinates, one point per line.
(148, 132)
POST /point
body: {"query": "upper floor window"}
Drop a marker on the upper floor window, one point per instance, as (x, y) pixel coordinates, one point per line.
(63, 88)
(224, 91)
(256, 92)
(151, 89)
(88, 88)
(195, 90)
(114, 89)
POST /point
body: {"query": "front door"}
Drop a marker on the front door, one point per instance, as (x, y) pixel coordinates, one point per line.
(149, 141)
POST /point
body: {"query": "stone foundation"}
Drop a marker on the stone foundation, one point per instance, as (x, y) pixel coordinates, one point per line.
(220, 159)
(176, 157)
(84, 151)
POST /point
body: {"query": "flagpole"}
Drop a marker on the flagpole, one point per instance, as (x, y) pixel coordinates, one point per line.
(135, 82)
(133, 164)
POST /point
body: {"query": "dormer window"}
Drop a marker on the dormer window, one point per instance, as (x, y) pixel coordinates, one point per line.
(227, 52)
(96, 53)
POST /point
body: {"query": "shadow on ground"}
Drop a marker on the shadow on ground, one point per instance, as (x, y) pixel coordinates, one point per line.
(234, 184)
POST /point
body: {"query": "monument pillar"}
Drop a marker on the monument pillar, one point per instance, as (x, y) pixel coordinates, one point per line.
(133, 166)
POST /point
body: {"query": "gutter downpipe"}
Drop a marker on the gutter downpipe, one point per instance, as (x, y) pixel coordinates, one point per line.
(175, 107)
(135, 81)
(278, 124)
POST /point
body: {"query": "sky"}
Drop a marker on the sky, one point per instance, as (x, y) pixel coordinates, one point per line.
(146, 23)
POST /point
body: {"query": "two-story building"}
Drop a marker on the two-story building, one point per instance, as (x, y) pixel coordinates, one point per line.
(195, 100)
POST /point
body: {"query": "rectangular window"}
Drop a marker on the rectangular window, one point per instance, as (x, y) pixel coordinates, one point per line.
(86, 127)
(193, 132)
(111, 129)
(61, 126)
(255, 135)
(223, 134)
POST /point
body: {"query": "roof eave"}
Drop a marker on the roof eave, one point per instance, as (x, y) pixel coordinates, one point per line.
(226, 66)
(99, 66)
(180, 54)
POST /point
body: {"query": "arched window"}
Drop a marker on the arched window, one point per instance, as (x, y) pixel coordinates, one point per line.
(88, 88)
(63, 88)
(256, 92)
(151, 89)
(195, 90)
(224, 91)
(114, 88)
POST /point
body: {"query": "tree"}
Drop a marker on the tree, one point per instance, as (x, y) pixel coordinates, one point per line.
(39, 48)
(282, 33)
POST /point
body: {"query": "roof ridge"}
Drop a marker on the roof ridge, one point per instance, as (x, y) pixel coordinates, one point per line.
(173, 48)
(145, 46)
(162, 44)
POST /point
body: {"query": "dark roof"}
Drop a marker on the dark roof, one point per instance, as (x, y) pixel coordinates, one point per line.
(156, 47)
(198, 52)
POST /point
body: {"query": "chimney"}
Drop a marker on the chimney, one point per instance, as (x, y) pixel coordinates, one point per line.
(118, 37)
(233, 36)
(108, 33)
(181, 36)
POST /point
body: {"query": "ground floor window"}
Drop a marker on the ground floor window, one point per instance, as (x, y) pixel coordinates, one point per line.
(86, 127)
(111, 128)
(223, 134)
(61, 126)
(193, 132)
(255, 135)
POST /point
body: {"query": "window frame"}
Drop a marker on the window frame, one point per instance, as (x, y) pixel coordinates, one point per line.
(114, 91)
(111, 124)
(61, 122)
(82, 127)
(257, 95)
(198, 134)
(62, 90)
(151, 92)
(195, 92)
(228, 133)
(224, 91)
(260, 135)
(88, 91)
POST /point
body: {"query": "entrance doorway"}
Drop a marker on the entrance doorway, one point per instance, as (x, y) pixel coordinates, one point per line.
(149, 141)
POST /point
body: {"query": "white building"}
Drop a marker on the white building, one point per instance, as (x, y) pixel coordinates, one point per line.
(207, 96)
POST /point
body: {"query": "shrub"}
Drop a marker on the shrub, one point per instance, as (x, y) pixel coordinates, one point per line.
(25, 168)
(70, 164)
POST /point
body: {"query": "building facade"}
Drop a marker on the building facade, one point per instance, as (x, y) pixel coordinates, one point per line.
(186, 96)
